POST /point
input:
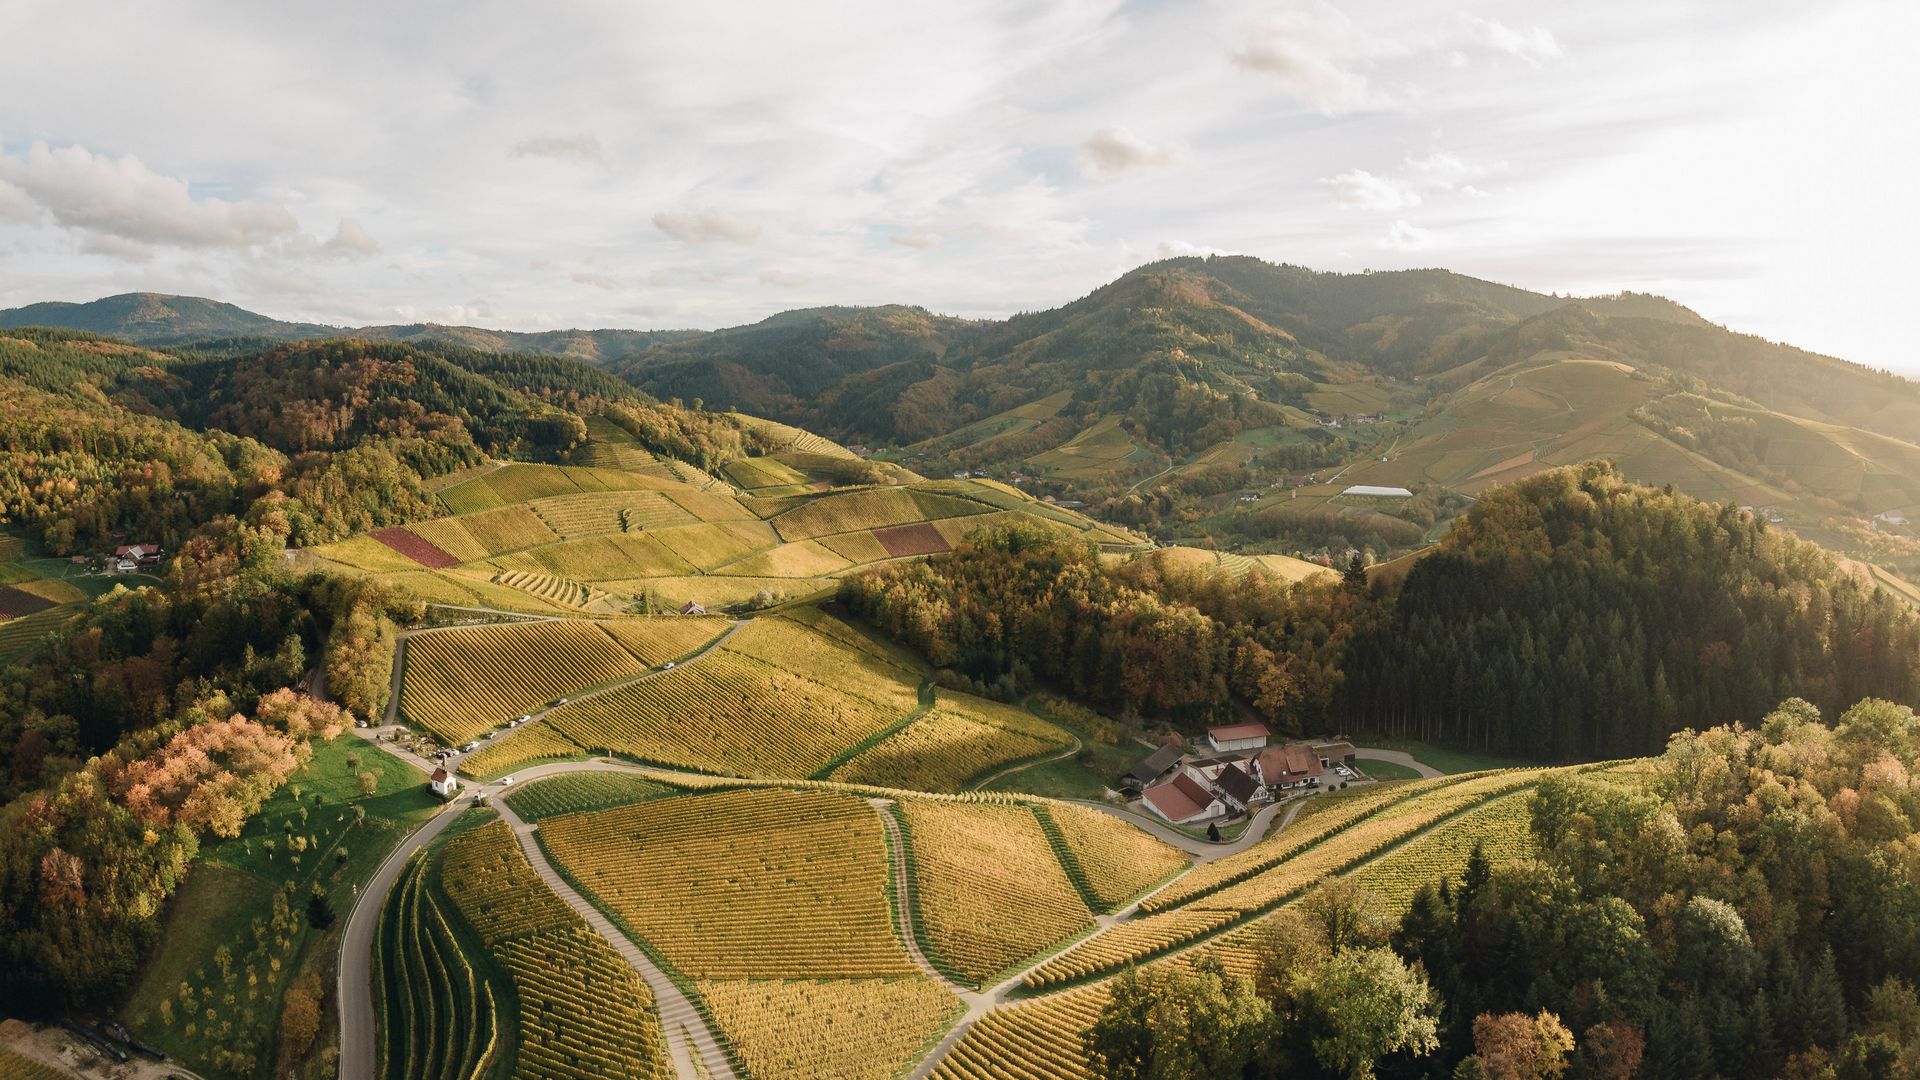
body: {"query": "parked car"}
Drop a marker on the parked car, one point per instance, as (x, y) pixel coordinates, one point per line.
(361, 723)
(505, 780)
(556, 702)
(470, 747)
(670, 665)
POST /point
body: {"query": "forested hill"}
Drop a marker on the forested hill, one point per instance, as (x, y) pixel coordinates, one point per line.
(1574, 615)
(101, 441)
(1571, 616)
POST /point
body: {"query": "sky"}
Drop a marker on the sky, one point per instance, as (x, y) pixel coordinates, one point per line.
(637, 164)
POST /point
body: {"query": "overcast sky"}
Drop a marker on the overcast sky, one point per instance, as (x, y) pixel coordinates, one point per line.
(650, 165)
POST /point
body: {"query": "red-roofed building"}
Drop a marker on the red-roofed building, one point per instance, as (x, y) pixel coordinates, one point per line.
(1183, 799)
(443, 783)
(1238, 737)
(1240, 790)
(1291, 766)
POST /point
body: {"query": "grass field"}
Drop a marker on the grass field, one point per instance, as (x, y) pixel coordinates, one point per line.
(311, 832)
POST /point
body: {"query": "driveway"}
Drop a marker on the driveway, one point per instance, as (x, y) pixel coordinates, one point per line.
(1395, 757)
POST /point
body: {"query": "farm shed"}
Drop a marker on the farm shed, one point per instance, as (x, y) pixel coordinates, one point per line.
(1182, 799)
(1154, 765)
(1379, 492)
(1334, 752)
(1238, 737)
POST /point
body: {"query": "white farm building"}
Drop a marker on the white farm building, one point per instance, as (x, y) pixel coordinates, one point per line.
(1379, 492)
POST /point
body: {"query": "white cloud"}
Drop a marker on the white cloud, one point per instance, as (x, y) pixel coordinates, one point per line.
(705, 226)
(1362, 190)
(1533, 44)
(574, 149)
(1403, 235)
(16, 205)
(351, 241)
(919, 239)
(1115, 150)
(122, 198)
(782, 278)
(1317, 54)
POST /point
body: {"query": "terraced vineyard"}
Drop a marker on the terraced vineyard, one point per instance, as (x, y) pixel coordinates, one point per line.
(990, 890)
(1500, 828)
(747, 883)
(581, 1009)
(876, 509)
(462, 682)
(558, 590)
(438, 1017)
(488, 533)
(536, 742)
(959, 739)
(772, 701)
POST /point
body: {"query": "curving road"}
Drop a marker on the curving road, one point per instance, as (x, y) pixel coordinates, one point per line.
(1396, 757)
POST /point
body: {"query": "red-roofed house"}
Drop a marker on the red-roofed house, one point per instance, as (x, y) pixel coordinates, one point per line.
(1291, 766)
(1238, 737)
(444, 783)
(1183, 799)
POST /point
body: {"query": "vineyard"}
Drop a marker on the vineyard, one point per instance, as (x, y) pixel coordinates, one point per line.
(1500, 828)
(590, 513)
(1112, 861)
(763, 472)
(413, 547)
(961, 738)
(848, 1029)
(19, 635)
(991, 891)
(598, 558)
(803, 558)
(577, 793)
(462, 682)
(437, 1017)
(535, 742)
(1029, 1040)
(558, 590)
(582, 1010)
(522, 483)
(747, 708)
(488, 533)
(875, 509)
(1338, 844)
(747, 883)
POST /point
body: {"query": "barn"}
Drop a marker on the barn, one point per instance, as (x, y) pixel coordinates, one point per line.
(1183, 799)
(1238, 737)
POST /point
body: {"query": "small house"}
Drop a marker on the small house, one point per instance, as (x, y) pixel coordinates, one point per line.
(1238, 789)
(1292, 766)
(1154, 765)
(1183, 799)
(1238, 737)
(1891, 517)
(444, 783)
(692, 607)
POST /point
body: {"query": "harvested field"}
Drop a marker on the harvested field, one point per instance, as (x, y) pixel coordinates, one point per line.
(921, 539)
(15, 602)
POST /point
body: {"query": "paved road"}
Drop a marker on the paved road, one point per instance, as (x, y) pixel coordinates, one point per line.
(1396, 757)
(358, 1055)
(1201, 850)
(685, 1029)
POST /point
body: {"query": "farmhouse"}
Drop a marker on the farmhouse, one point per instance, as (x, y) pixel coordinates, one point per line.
(1891, 517)
(1292, 766)
(1379, 492)
(444, 783)
(1183, 799)
(1238, 737)
(1238, 789)
(143, 554)
(1154, 765)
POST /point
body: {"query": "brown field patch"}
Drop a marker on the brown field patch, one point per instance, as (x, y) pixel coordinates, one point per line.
(17, 602)
(917, 539)
(414, 547)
